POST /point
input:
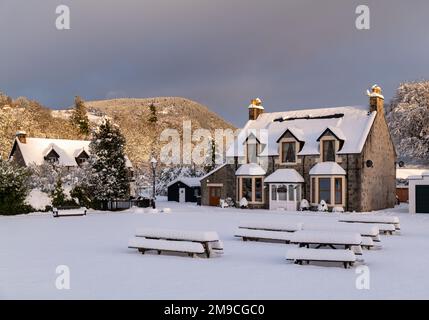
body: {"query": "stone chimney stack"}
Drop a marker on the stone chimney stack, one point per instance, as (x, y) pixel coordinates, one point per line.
(255, 109)
(376, 100)
(22, 136)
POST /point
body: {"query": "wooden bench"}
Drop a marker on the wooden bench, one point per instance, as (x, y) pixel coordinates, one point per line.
(255, 235)
(371, 218)
(208, 239)
(143, 245)
(300, 255)
(68, 211)
(271, 226)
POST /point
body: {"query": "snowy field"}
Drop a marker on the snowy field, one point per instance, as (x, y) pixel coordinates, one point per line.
(101, 266)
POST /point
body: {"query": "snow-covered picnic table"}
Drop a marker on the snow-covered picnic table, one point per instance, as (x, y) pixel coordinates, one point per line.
(365, 230)
(327, 238)
(371, 218)
(271, 226)
(300, 255)
(209, 239)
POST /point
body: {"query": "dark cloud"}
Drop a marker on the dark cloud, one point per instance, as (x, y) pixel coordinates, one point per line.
(291, 53)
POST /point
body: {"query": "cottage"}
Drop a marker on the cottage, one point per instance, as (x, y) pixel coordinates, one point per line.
(69, 154)
(419, 193)
(184, 190)
(344, 156)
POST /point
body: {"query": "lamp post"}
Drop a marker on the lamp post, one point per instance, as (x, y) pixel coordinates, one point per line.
(153, 163)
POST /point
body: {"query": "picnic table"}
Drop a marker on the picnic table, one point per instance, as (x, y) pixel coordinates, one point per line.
(271, 226)
(371, 218)
(327, 239)
(365, 230)
(209, 239)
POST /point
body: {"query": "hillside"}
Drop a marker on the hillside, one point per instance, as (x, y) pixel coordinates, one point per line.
(130, 114)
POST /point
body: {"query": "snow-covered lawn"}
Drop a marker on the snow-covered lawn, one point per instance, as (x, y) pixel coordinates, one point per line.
(101, 266)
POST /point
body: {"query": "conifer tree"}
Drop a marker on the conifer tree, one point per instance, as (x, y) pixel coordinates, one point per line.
(58, 196)
(109, 179)
(79, 117)
(13, 189)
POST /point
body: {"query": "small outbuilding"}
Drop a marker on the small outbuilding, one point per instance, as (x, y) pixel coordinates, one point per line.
(419, 193)
(402, 181)
(184, 190)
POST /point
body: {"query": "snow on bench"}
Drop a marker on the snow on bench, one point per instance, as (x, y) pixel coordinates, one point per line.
(143, 245)
(68, 212)
(371, 218)
(250, 234)
(326, 238)
(367, 242)
(365, 230)
(300, 255)
(271, 226)
(175, 234)
(206, 238)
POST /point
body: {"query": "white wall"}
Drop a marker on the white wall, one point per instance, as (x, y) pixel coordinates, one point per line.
(413, 182)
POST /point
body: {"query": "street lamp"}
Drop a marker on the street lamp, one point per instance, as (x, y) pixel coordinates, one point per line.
(153, 163)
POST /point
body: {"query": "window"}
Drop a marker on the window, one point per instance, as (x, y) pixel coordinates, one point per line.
(288, 152)
(298, 193)
(247, 188)
(329, 150)
(338, 191)
(313, 190)
(252, 189)
(252, 153)
(274, 192)
(258, 189)
(325, 190)
(291, 193)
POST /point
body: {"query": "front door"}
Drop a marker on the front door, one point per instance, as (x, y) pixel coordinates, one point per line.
(214, 196)
(422, 199)
(182, 195)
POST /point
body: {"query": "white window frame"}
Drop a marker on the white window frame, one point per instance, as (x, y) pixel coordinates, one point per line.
(240, 188)
(332, 180)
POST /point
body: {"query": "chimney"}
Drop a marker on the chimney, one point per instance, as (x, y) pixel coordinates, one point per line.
(22, 136)
(255, 109)
(376, 100)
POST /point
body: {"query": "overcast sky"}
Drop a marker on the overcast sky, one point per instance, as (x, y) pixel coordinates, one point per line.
(290, 53)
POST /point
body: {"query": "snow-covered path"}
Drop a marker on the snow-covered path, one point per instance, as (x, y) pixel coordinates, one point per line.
(101, 265)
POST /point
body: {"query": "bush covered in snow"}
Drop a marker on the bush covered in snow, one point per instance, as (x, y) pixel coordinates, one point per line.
(13, 189)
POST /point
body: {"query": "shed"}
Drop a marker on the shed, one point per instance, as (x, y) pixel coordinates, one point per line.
(419, 193)
(184, 190)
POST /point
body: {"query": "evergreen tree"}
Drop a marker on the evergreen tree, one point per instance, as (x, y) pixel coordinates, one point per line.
(79, 117)
(58, 196)
(109, 178)
(13, 189)
(153, 118)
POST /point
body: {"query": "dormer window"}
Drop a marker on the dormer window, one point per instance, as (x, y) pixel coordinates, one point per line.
(82, 158)
(252, 152)
(331, 141)
(328, 150)
(288, 152)
(52, 157)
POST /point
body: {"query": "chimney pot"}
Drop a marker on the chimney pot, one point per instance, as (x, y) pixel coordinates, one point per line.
(22, 136)
(255, 109)
(376, 99)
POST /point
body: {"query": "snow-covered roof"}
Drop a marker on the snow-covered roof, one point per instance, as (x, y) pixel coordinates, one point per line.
(190, 182)
(327, 168)
(250, 169)
(405, 174)
(419, 177)
(351, 124)
(213, 171)
(35, 150)
(284, 175)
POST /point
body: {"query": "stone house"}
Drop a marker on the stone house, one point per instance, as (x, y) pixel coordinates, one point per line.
(343, 155)
(68, 154)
